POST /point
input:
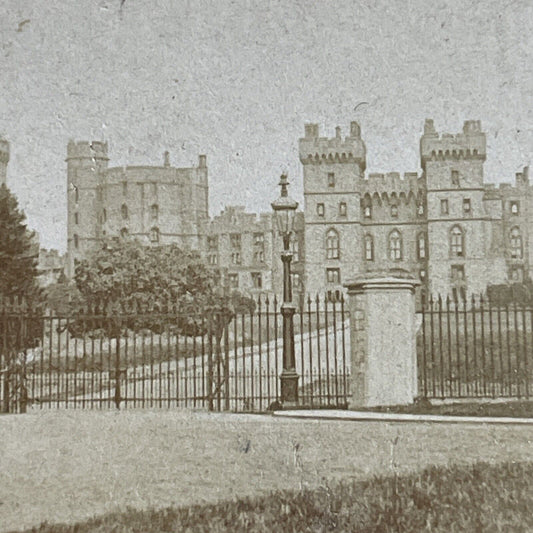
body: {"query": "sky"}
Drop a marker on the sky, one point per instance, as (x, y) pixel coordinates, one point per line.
(237, 80)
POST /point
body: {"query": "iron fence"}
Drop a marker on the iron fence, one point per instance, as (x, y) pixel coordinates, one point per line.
(214, 360)
(474, 349)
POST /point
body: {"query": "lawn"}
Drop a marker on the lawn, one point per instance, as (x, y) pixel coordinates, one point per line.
(478, 497)
(67, 466)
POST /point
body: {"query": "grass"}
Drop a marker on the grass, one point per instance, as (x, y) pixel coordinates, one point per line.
(480, 497)
(68, 466)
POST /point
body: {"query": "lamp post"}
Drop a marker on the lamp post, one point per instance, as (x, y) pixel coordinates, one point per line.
(284, 210)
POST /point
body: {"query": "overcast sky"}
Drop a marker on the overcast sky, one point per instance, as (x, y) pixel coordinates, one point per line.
(237, 80)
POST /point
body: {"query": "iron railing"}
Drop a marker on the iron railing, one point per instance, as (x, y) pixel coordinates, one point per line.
(475, 349)
(212, 360)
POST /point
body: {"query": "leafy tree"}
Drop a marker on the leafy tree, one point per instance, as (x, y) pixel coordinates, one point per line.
(18, 257)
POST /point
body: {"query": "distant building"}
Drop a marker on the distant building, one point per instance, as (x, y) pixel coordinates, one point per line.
(50, 267)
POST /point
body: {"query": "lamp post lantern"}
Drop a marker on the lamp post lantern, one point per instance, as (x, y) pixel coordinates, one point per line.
(284, 209)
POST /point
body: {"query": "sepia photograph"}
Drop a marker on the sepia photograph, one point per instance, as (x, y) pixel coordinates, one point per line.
(266, 266)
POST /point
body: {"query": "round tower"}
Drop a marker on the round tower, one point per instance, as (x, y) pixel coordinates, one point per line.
(4, 159)
(86, 166)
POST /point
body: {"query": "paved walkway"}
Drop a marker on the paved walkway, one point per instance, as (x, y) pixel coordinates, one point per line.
(333, 414)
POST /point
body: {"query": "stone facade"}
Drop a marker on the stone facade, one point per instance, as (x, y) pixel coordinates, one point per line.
(443, 225)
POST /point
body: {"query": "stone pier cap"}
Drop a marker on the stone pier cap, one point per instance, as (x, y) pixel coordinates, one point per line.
(391, 279)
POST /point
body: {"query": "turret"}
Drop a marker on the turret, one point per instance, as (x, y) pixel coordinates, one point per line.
(4, 160)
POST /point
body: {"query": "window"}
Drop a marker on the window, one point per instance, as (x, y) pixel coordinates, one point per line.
(124, 232)
(212, 259)
(233, 280)
(423, 275)
(104, 216)
(76, 242)
(420, 210)
(395, 245)
(212, 242)
(342, 209)
(421, 246)
(455, 178)
(458, 273)
(334, 296)
(259, 239)
(516, 243)
(517, 273)
(124, 188)
(76, 194)
(235, 241)
(257, 280)
(331, 179)
(394, 211)
(320, 210)
(154, 212)
(124, 211)
(333, 275)
(76, 218)
(332, 244)
(367, 211)
(259, 256)
(515, 207)
(444, 207)
(461, 293)
(236, 258)
(154, 235)
(369, 248)
(456, 242)
(154, 188)
(296, 281)
(467, 208)
(295, 248)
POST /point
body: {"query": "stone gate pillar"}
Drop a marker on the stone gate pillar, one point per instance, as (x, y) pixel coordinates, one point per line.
(383, 340)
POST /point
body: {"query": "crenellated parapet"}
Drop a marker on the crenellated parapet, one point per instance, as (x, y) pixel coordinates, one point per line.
(471, 144)
(87, 150)
(315, 150)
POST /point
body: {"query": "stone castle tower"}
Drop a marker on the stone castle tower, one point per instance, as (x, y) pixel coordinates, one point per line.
(443, 225)
(155, 204)
(4, 159)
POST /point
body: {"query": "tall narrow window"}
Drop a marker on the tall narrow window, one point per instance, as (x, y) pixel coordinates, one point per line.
(212, 242)
(331, 179)
(154, 212)
(104, 216)
(342, 209)
(233, 280)
(516, 243)
(394, 211)
(367, 211)
(76, 218)
(332, 244)
(154, 235)
(124, 188)
(369, 248)
(76, 194)
(257, 280)
(124, 211)
(395, 245)
(333, 275)
(320, 210)
(421, 246)
(467, 207)
(444, 207)
(455, 178)
(76, 241)
(515, 207)
(235, 241)
(457, 242)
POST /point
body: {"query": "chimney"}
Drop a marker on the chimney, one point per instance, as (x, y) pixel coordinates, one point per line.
(202, 161)
(338, 132)
(166, 159)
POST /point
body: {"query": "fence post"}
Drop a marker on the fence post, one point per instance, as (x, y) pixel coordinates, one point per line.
(383, 340)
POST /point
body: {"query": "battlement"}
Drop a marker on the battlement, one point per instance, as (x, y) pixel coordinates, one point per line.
(470, 144)
(392, 182)
(316, 150)
(4, 151)
(87, 150)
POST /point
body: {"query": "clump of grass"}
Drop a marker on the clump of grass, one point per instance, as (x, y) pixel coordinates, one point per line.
(479, 497)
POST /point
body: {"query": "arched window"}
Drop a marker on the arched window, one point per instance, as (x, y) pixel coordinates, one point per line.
(369, 248)
(395, 245)
(154, 211)
(154, 235)
(332, 244)
(76, 242)
(124, 232)
(516, 243)
(421, 246)
(124, 211)
(457, 242)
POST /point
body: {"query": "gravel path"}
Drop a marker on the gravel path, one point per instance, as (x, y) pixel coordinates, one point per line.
(64, 466)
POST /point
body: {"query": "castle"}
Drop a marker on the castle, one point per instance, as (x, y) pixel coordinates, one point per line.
(443, 224)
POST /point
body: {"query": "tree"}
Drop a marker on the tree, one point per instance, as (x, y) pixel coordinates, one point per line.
(18, 257)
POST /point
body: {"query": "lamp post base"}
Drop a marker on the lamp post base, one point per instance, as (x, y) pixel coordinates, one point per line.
(289, 388)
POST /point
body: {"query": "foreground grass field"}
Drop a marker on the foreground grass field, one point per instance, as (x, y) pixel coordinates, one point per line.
(68, 466)
(481, 497)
